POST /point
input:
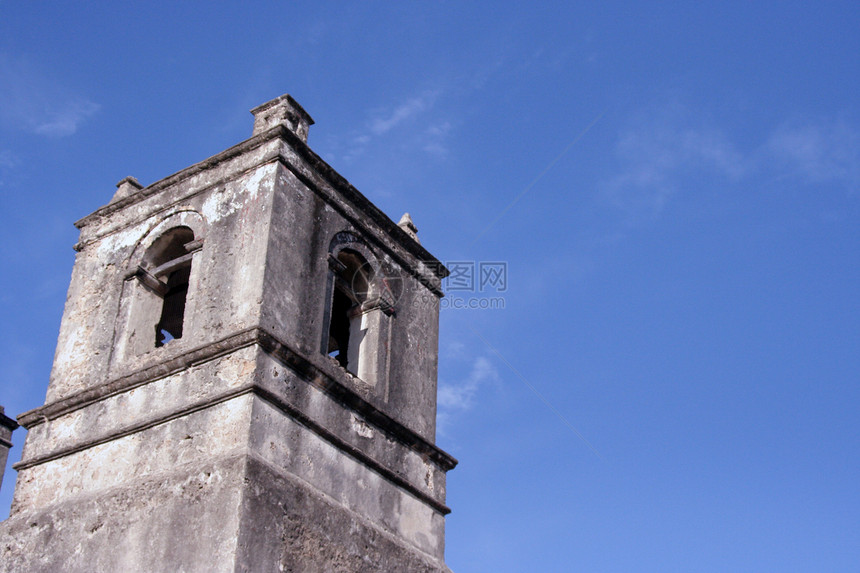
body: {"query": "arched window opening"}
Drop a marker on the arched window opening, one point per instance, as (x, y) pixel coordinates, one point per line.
(338, 343)
(169, 326)
(352, 277)
(157, 305)
(166, 270)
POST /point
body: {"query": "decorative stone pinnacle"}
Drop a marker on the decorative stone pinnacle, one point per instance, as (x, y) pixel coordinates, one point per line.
(126, 187)
(407, 225)
(284, 111)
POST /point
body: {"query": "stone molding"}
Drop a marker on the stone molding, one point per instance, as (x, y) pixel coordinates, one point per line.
(306, 370)
(316, 164)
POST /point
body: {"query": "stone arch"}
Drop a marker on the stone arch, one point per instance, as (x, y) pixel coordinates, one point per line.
(184, 218)
(358, 311)
(161, 276)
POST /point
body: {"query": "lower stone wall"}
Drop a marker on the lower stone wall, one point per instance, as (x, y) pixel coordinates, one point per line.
(186, 521)
(289, 526)
(195, 437)
(294, 449)
(234, 514)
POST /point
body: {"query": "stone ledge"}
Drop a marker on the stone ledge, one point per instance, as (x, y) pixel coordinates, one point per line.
(209, 163)
(304, 368)
(89, 396)
(332, 177)
(7, 422)
(134, 428)
(350, 450)
(438, 270)
(358, 199)
(238, 173)
(272, 399)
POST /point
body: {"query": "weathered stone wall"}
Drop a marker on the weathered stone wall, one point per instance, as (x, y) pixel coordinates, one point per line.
(190, 439)
(241, 445)
(249, 405)
(232, 200)
(351, 459)
(307, 214)
(186, 520)
(179, 419)
(125, 412)
(315, 532)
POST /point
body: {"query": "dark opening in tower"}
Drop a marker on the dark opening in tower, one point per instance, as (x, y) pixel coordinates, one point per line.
(168, 263)
(173, 308)
(351, 281)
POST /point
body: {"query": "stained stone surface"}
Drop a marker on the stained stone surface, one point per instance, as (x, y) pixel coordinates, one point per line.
(241, 445)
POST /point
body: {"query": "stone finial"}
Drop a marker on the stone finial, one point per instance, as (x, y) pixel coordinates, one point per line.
(126, 187)
(407, 225)
(284, 111)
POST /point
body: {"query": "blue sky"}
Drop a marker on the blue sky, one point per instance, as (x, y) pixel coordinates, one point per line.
(673, 383)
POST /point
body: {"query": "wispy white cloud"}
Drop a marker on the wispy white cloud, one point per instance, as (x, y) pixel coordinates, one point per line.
(435, 139)
(66, 120)
(817, 152)
(668, 152)
(390, 119)
(654, 157)
(460, 396)
(408, 122)
(33, 102)
(454, 349)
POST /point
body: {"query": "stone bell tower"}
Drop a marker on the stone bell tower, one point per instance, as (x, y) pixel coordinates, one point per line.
(245, 379)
